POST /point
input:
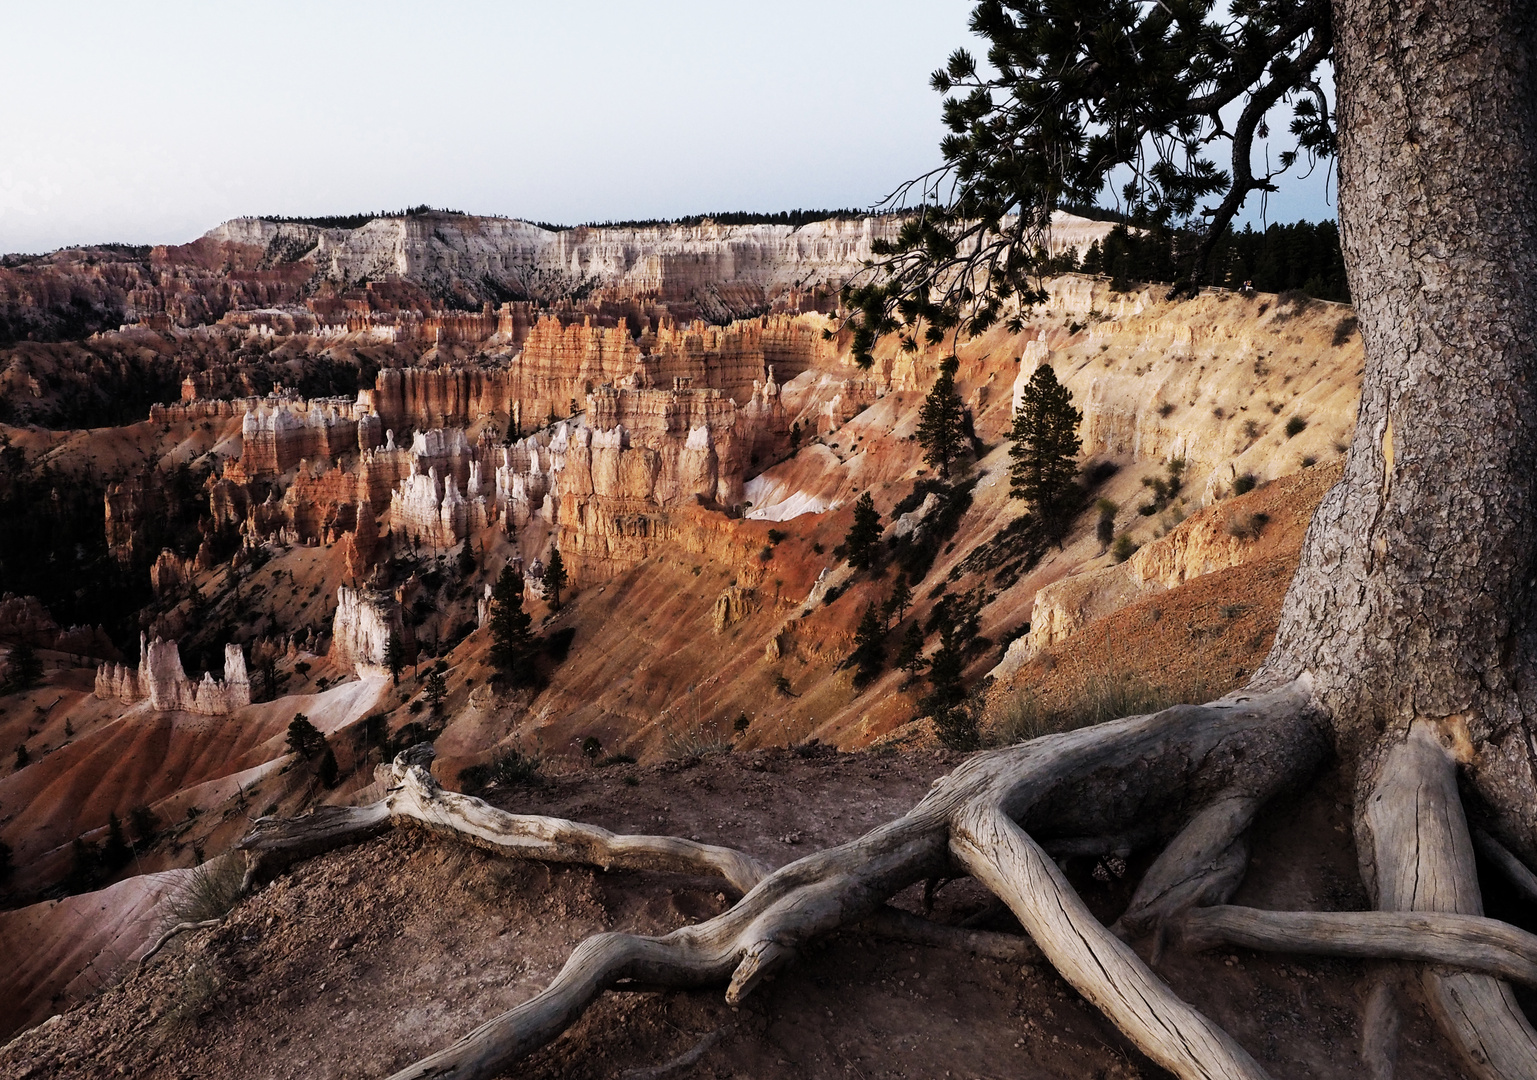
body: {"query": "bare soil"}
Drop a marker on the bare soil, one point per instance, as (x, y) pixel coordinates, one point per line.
(357, 963)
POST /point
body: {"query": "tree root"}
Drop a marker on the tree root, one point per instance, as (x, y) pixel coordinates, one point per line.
(1471, 942)
(995, 817)
(1419, 858)
(180, 928)
(1515, 871)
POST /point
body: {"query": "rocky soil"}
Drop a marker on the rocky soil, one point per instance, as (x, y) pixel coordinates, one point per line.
(356, 963)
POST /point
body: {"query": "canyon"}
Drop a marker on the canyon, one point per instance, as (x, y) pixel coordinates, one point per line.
(355, 430)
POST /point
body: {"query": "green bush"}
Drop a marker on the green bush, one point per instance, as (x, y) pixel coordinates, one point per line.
(510, 770)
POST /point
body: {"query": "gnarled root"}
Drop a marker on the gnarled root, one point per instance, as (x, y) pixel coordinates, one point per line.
(1418, 856)
(990, 817)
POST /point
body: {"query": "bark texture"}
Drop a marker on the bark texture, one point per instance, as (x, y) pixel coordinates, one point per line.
(1414, 594)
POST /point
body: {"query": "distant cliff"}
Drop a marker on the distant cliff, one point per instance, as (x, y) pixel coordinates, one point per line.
(728, 270)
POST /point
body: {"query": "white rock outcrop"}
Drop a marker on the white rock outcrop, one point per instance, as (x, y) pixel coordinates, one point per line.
(160, 680)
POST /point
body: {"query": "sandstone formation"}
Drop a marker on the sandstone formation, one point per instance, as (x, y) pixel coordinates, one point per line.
(161, 681)
(724, 269)
(361, 628)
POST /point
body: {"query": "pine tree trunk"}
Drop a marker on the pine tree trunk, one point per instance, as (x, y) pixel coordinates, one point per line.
(1414, 594)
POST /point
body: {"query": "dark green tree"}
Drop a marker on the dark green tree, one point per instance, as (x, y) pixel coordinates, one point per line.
(512, 639)
(1045, 451)
(143, 825)
(304, 738)
(24, 669)
(864, 535)
(555, 577)
(395, 656)
(23, 759)
(946, 700)
(115, 852)
(941, 423)
(869, 654)
(899, 601)
(435, 689)
(910, 652)
(467, 563)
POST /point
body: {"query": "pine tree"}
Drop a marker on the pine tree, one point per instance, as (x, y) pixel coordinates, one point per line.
(304, 738)
(512, 640)
(899, 601)
(864, 534)
(941, 425)
(869, 653)
(24, 669)
(467, 563)
(910, 653)
(953, 722)
(555, 577)
(115, 853)
(1045, 450)
(395, 656)
(436, 689)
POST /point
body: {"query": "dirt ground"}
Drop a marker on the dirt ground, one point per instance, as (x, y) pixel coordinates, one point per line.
(357, 963)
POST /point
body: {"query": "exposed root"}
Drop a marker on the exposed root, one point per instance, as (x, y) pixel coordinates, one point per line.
(896, 925)
(1097, 963)
(180, 928)
(1140, 775)
(1470, 942)
(1379, 1030)
(413, 795)
(1419, 857)
(1515, 871)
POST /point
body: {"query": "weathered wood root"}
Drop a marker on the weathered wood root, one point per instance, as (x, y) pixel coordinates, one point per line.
(180, 928)
(413, 795)
(1134, 773)
(1471, 942)
(1418, 856)
(1514, 870)
(1098, 964)
(1092, 783)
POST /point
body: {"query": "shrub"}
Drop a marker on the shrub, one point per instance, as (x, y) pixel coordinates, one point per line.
(616, 759)
(694, 744)
(510, 770)
(209, 893)
(1344, 329)
(777, 536)
(1295, 426)
(1123, 548)
(592, 749)
(1101, 697)
(1244, 484)
(1247, 526)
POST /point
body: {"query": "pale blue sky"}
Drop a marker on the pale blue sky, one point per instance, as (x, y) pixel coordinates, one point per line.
(152, 122)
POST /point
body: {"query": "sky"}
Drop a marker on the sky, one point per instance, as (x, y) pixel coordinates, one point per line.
(141, 122)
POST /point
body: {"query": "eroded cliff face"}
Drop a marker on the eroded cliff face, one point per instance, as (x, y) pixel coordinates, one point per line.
(723, 271)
